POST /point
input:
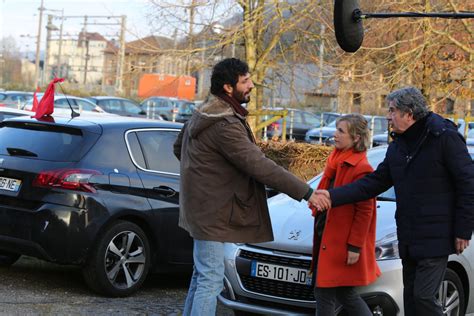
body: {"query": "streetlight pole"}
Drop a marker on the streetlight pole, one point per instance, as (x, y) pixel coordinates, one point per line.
(59, 68)
(38, 42)
(49, 27)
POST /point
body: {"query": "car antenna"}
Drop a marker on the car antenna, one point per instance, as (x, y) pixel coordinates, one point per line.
(73, 113)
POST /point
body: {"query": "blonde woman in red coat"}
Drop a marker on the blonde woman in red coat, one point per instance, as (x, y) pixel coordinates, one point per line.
(344, 236)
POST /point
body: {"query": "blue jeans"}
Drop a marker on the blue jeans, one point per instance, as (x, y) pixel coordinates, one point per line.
(207, 280)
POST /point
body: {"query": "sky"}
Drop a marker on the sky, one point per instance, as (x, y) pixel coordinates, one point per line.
(20, 18)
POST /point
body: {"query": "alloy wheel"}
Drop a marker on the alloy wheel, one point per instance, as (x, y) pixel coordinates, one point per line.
(125, 259)
(449, 298)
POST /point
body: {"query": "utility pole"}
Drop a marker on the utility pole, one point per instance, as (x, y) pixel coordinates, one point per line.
(86, 42)
(121, 57)
(49, 27)
(59, 68)
(38, 42)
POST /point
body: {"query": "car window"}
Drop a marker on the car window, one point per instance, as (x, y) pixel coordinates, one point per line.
(85, 105)
(131, 107)
(42, 142)
(2, 96)
(311, 119)
(111, 105)
(297, 118)
(64, 103)
(157, 147)
(186, 108)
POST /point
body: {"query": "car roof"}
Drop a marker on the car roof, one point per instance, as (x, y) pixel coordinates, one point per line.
(15, 111)
(105, 97)
(104, 121)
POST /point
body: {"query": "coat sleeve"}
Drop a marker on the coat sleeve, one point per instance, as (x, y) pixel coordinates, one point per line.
(364, 211)
(179, 142)
(365, 188)
(461, 169)
(233, 143)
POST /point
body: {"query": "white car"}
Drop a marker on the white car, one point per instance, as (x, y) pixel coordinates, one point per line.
(62, 101)
(285, 290)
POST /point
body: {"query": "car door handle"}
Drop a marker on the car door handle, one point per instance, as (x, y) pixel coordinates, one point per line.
(166, 191)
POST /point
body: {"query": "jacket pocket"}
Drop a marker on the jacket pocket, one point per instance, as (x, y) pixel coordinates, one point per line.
(244, 212)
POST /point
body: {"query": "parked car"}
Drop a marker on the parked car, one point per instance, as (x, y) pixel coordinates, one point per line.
(101, 193)
(6, 113)
(380, 139)
(329, 117)
(298, 122)
(14, 99)
(470, 138)
(377, 125)
(287, 287)
(62, 101)
(169, 109)
(118, 106)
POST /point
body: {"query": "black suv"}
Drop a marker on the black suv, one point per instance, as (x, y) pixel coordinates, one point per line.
(169, 109)
(101, 193)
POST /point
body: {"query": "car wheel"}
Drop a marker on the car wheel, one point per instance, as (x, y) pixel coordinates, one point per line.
(451, 294)
(119, 263)
(8, 258)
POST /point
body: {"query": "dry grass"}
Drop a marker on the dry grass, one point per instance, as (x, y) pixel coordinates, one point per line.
(302, 159)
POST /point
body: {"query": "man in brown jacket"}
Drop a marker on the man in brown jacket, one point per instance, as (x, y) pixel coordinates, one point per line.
(223, 178)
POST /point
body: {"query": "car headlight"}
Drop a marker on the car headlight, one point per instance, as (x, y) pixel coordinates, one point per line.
(386, 248)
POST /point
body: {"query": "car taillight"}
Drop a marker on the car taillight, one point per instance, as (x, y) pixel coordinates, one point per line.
(275, 126)
(175, 110)
(69, 179)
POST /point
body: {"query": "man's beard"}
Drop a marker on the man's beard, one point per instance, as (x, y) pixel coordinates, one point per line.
(240, 96)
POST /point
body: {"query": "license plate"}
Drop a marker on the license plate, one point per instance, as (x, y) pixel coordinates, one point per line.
(280, 273)
(9, 184)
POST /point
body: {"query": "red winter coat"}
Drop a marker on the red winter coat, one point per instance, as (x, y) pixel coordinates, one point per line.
(352, 224)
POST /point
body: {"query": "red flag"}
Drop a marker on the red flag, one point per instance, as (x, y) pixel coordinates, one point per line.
(35, 100)
(46, 105)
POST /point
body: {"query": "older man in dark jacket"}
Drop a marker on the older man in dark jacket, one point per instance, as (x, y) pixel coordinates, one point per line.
(433, 176)
(223, 172)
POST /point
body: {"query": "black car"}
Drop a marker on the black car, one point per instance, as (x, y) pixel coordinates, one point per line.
(170, 109)
(101, 193)
(298, 122)
(119, 106)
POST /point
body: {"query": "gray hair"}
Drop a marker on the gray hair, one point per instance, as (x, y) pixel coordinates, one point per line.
(357, 126)
(409, 100)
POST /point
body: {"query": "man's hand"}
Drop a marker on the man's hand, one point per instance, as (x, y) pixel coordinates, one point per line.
(460, 245)
(320, 200)
(352, 257)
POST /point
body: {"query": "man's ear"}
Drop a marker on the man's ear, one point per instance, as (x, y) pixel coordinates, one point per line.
(228, 88)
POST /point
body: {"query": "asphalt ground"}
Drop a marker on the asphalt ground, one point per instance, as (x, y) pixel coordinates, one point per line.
(35, 287)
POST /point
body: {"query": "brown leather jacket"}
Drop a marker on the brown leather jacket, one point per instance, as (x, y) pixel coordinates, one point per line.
(223, 172)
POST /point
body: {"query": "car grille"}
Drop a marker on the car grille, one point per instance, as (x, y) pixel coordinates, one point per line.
(280, 289)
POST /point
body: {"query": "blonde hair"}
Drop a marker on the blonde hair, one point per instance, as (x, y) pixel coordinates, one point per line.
(357, 126)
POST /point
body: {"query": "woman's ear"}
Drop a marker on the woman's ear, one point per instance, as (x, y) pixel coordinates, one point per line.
(228, 88)
(356, 138)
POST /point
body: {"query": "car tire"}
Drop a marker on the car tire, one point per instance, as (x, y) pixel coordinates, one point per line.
(119, 263)
(450, 288)
(8, 258)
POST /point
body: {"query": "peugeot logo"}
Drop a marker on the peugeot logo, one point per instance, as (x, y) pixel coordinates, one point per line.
(294, 234)
(1, 161)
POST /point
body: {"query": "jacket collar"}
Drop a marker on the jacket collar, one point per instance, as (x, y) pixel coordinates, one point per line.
(355, 158)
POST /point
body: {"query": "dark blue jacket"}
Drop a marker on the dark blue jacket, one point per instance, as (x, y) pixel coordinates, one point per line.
(434, 185)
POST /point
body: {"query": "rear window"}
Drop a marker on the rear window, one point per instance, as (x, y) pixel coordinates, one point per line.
(43, 142)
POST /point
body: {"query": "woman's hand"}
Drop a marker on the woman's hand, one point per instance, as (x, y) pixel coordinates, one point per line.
(352, 257)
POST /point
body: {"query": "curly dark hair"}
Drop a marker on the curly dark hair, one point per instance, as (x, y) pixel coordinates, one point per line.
(227, 71)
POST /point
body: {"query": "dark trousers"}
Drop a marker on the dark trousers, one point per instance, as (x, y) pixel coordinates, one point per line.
(346, 295)
(421, 281)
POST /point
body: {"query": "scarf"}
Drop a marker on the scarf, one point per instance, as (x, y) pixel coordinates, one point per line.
(336, 157)
(238, 108)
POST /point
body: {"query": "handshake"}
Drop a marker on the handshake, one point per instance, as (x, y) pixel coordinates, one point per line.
(319, 201)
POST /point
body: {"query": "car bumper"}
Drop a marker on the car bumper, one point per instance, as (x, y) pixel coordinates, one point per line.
(52, 232)
(384, 297)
